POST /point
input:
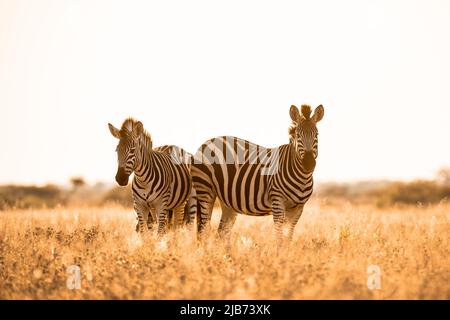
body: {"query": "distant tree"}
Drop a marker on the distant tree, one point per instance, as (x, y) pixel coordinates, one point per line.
(443, 175)
(77, 182)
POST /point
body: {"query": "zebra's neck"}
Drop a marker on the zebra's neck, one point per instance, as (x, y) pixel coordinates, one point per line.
(144, 158)
(302, 175)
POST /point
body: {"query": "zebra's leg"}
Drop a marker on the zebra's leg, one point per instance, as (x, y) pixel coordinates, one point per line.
(226, 221)
(150, 220)
(204, 188)
(178, 216)
(163, 214)
(142, 211)
(190, 210)
(292, 217)
(137, 224)
(279, 219)
(170, 223)
(205, 206)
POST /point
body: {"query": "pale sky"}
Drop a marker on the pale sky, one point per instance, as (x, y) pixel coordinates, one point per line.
(192, 70)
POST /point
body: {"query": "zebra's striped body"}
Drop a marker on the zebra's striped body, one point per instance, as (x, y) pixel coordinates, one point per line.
(162, 180)
(180, 156)
(253, 180)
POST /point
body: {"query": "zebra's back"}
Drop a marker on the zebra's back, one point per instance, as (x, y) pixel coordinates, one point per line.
(178, 164)
(240, 173)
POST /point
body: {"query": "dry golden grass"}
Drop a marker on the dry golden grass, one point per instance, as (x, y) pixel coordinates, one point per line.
(328, 258)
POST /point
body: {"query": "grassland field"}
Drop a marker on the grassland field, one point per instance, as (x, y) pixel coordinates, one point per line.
(329, 257)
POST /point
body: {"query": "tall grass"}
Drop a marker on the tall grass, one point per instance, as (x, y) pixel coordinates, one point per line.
(328, 258)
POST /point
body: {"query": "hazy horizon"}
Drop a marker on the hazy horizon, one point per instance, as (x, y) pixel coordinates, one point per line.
(380, 69)
(111, 182)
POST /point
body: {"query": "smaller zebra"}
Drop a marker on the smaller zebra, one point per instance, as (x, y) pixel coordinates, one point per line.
(162, 182)
(190, 209)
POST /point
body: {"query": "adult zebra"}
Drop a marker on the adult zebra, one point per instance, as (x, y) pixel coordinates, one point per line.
(162, 182)
(253, 180)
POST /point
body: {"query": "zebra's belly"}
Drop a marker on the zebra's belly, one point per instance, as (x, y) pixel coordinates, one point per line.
(244, 189)
(256, 214)
(247, 212)
(170, 196)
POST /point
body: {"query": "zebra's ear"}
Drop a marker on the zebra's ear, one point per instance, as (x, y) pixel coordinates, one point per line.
(295, 114)
(138, 128)
(114, 131)
(318, 114)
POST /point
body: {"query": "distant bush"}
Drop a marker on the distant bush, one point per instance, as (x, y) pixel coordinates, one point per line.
(416, 192)
(118, 195)
(381, 193)
(50, 196)
(384, 193)
(335, 190)
(354, 192)
(31, 197)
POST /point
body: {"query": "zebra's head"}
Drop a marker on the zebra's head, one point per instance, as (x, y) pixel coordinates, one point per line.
(128, 136)
(303, 134)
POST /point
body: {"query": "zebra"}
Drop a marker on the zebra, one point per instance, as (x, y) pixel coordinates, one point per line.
(190, 207)
(253, 180)
(162, 181)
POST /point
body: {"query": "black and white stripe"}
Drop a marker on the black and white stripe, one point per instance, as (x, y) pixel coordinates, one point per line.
(253, 180)
(162, 182)
(179, 155)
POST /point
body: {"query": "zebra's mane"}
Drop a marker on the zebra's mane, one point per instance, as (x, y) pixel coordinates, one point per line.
(292, 130)
(146, 138)
(127, 130)
(306, 111)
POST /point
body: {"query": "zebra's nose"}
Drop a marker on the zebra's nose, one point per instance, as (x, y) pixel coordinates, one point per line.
(308, 161)
(309, 153)
(122, 177)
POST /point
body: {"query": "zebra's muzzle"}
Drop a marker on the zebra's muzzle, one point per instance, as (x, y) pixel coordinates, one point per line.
(122, 177)
(308, 161)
